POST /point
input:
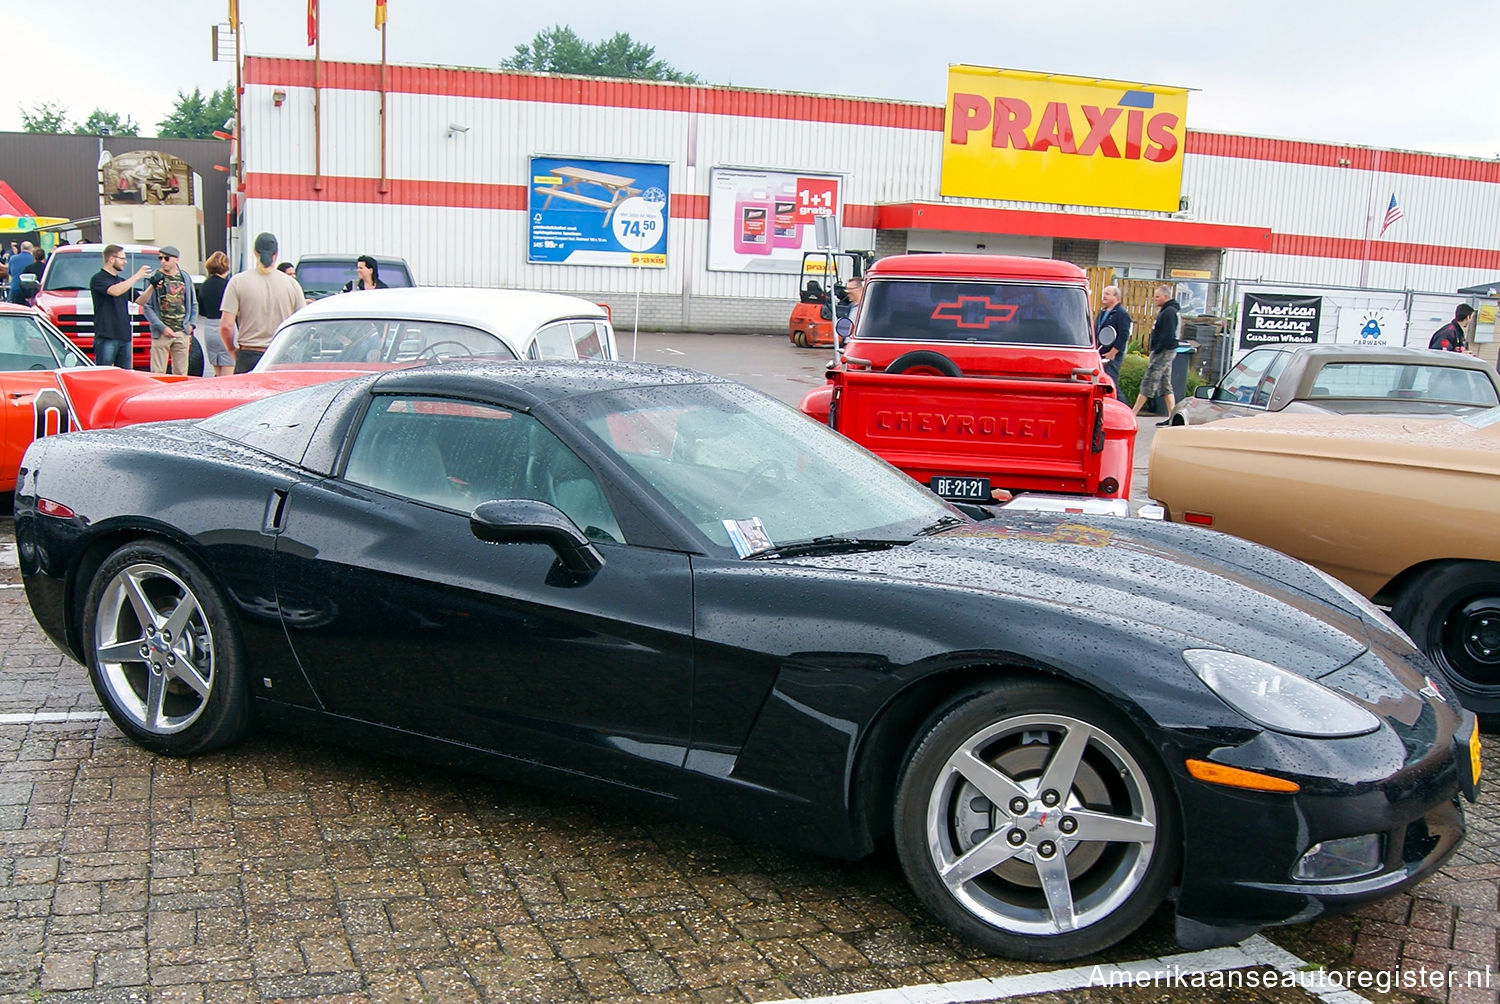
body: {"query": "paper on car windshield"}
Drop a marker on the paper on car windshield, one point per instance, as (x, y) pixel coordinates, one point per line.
(747, 535)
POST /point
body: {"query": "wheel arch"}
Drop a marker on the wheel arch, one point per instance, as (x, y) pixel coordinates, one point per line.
(888, 743)
(94, 554)
(1392, 590)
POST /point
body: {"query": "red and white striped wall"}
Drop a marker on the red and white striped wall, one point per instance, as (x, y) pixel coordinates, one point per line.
(453, 202)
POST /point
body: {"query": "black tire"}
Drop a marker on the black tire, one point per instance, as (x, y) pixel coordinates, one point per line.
(1452, 612)
(164, 653)
(195, 358)
(1004, 736)
(925, 360)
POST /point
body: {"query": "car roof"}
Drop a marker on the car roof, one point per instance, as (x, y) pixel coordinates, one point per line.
(99, 249)
(1332, 352)
(349, 259)
(532, 383)
(513, 314)
(975, 266)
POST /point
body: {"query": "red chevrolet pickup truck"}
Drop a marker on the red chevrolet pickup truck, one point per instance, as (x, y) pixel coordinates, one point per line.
(974, 373)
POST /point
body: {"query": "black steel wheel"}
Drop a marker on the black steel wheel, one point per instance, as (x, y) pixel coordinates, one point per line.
(1033, 819)
(164, 653)
(1452, 612)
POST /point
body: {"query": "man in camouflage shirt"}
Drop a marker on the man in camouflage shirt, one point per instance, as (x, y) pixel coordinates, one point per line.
(171, 305)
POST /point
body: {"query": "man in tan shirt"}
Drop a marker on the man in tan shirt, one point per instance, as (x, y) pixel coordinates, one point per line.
(257, 301)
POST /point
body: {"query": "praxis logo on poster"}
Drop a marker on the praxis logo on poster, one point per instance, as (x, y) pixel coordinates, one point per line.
(1037, 137)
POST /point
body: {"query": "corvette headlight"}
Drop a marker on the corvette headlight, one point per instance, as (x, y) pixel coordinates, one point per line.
(1270, 696)
(1349, 593)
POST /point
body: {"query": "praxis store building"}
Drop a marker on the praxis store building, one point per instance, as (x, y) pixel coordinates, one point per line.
(698, 202)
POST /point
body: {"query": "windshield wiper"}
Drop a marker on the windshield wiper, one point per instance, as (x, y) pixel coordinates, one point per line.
(823, 545)
(943, 523)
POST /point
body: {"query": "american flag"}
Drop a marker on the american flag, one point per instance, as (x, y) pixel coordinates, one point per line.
(1392, 214)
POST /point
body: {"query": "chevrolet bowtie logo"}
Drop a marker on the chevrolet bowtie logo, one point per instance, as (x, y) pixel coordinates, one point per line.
(974, 312)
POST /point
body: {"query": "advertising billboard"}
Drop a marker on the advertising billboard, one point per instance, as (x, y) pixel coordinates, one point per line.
(1043, 137)
(597, 212)
(1268, 318)
(762, 221)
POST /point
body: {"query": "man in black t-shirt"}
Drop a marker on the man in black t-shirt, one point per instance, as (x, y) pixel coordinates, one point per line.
(111, 296)
(1451, 337)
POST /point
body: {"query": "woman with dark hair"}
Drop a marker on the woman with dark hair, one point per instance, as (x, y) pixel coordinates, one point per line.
(367, 270)
(210, 295)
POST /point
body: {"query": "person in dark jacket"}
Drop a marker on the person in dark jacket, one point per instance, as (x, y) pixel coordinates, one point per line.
(366, 275)
(1158, 379)
(1452, 337)
(1112, 315)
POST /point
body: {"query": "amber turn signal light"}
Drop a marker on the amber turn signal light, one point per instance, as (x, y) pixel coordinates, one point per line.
(1234, 777)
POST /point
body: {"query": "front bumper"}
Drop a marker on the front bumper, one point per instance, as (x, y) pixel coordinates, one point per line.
(1240, 847)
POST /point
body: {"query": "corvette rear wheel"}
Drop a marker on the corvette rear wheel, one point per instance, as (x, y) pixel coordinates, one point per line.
(1452, 612)
(164, 653)
(1033, 820)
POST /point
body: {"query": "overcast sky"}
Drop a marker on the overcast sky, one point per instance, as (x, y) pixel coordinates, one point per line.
(1418, 76)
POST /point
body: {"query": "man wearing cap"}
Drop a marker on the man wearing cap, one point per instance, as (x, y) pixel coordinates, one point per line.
(256, 301)
(171, 306)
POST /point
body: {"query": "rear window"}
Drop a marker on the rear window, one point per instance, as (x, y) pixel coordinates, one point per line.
(281, 425)
(331, 276)
(1405, 382)
(967, 311)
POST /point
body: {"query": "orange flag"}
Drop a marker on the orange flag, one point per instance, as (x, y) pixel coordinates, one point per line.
(379, 14)
(312, 22)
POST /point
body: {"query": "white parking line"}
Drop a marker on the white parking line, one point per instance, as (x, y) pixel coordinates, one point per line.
(1190, 971)
(41, 717)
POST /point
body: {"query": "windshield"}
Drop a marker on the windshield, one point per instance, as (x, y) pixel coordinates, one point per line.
(331, 276)
(750, 473)
(73, 271)
(913, 310)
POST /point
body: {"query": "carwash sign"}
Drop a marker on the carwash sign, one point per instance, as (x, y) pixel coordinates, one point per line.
(1039, 137)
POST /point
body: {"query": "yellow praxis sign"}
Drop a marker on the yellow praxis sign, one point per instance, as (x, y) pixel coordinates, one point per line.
(1042, 137)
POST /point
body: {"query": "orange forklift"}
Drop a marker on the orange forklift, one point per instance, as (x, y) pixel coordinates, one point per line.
(820, 294)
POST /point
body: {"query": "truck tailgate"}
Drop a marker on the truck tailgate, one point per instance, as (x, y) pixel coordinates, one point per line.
(1039, 434)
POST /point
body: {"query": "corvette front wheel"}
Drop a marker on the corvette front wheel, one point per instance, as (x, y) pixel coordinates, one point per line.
(1033, 820)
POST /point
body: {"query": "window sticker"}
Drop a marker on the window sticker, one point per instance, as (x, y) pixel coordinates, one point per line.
(747, 535)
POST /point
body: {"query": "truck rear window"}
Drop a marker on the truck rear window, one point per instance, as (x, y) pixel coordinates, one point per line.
(957, 311)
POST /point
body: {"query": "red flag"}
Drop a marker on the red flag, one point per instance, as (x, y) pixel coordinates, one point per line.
(312, 22)
(379, 14)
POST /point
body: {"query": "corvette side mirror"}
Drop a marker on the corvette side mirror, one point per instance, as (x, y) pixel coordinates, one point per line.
(527, 521)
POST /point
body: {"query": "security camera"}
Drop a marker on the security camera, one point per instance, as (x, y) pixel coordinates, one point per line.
(454, 128)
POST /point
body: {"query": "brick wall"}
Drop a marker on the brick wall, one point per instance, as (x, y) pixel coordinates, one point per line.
(1199, 259)
(1084, 254)
(889, 242)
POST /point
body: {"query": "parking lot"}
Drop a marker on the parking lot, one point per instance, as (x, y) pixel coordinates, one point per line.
(290, 869)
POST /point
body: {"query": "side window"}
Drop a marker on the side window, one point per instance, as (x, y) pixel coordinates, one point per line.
(456, 454)
(1238, 385)
(588, 339)
(1262, 396)
(555, 341)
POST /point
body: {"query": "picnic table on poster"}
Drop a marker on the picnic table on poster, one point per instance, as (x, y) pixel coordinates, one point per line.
(618, 187)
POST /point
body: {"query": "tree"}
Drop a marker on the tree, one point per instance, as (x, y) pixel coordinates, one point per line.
(196, 117)
(101, 121)
(558, 49)
(46, 116)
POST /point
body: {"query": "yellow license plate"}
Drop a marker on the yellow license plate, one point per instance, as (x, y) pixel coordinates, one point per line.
(1474, 753)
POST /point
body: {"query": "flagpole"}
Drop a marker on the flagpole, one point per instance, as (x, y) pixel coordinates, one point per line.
(1364, 258)
(384, 183)
(317, 96)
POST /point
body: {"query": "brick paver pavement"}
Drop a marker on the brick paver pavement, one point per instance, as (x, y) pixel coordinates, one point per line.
(288, 870)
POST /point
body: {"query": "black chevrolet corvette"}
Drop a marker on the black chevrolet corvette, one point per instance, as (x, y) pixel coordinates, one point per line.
(664, 586)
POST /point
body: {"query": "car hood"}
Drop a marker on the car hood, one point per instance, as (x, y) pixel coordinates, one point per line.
(1189, 587)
